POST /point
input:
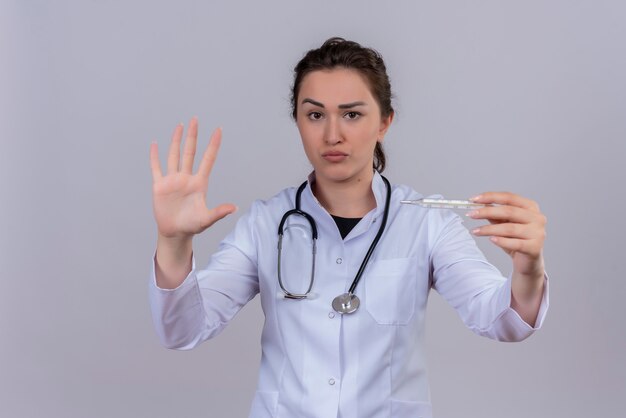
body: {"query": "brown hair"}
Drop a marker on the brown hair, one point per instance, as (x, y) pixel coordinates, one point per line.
(338, 52)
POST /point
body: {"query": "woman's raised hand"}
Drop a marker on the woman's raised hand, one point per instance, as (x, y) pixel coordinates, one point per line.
(179, 197)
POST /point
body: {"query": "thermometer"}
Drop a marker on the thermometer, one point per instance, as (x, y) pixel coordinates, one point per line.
(445, 204)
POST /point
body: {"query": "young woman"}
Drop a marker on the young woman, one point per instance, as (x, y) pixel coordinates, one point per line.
(344, 329)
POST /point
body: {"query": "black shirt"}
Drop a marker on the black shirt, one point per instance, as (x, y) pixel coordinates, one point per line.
(345, 225)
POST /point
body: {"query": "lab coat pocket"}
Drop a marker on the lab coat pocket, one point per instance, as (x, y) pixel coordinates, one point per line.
(390, 290)
(407, 409)
(264, 404)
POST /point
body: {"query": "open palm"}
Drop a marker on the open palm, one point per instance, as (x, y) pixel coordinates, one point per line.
(179, 197)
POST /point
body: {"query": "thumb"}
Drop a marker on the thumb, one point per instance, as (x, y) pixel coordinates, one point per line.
(218, 212)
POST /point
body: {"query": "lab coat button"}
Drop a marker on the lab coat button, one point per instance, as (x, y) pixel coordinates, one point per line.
(339, 261)
(331, 381)
(331, 315)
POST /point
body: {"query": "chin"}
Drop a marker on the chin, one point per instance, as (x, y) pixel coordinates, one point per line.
(338, 174)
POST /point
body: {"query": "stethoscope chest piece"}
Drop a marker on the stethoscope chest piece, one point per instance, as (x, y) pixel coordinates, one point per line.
(346, 303)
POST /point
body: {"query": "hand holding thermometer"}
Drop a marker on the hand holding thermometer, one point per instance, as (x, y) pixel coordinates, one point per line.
(445, 204)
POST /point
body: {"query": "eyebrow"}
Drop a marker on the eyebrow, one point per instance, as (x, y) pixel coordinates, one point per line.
(350, 105)
(341, 106)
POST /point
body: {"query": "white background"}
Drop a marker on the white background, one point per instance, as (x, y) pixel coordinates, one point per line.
(527, 96)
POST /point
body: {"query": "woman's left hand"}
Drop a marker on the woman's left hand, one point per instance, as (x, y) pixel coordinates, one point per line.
(517, 226)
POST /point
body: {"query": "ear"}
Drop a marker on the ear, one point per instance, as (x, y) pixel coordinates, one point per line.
(385, 123)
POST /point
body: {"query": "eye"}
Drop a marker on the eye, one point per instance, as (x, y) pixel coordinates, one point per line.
(352, 115)
(315, 115)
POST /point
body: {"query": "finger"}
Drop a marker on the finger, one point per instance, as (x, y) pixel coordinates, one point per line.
(508, 230)
(219, 212)
(506, 198)
(208, 159)
(189, 150)
(174, 154)
(509, 245)
(155, 165)
(499, 214)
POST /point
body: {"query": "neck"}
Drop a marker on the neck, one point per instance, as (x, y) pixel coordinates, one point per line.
(353, 198)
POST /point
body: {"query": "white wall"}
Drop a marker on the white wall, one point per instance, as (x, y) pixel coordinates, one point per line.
(525, 96)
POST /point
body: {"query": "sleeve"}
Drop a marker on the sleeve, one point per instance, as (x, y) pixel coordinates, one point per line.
(208, 299)
(475, 288)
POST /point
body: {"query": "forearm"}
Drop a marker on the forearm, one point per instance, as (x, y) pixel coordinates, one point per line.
(526, 294)
(172, 261)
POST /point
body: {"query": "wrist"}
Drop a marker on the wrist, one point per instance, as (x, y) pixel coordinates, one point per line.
(175, 242)
(529, 269)
(174, 251)
(535, 275)
(173, 261)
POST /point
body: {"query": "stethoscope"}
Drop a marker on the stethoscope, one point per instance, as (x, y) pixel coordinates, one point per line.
(347, 302)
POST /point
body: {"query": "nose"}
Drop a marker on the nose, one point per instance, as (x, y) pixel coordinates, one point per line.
(332, 133)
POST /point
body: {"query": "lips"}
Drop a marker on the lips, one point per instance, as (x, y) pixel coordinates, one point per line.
(334, 156)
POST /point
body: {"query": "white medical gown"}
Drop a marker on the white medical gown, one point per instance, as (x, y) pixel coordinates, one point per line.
(315, 362)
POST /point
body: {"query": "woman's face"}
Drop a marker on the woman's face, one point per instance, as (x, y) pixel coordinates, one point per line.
(339, 122)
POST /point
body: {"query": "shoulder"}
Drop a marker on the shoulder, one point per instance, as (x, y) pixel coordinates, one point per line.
(284, 199)
(434, 217)
(261, 218)
(268, 212)
(405, 192)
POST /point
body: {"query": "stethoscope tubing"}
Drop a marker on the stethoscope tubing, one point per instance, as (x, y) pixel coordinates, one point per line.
(297, 211)
(309, 218)
(383, 224)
